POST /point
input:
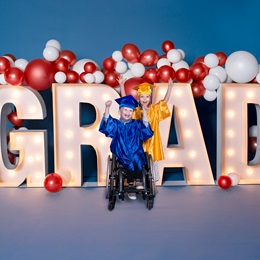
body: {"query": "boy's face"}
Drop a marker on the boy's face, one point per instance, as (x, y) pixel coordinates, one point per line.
(126, 113)
(145, 100)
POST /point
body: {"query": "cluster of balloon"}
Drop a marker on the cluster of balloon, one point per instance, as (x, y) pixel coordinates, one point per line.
(252, 139)
(53, 182)
(226, 181)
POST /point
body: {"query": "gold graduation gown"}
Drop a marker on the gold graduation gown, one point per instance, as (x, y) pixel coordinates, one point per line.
(156, 113)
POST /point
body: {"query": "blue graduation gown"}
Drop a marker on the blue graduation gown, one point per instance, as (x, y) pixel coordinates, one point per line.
(127, 140)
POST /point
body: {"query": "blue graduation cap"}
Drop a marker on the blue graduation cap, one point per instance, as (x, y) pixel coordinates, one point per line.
(127, 101)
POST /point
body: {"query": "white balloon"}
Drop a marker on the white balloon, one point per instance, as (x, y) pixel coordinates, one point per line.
(53, 43)
(2, 79)
(117, 55)
(180, 64)
(211, 82)
(252, 132)
(51, 53)
(163, 61)
(241, 66)
(99, 76)
(21, 64)
(219, 72)
(89, 77)
(235, 178)
(211, 60)
(258, 78)
(127, 75)
(65, 175)
(138, 69)
(182, 53)
(79, 65)
(174, 56)
(60, 77)
(121, 67)
(210, 95)
(228, 80)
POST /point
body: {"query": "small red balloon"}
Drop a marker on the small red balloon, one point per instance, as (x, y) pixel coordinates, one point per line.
(198, 71)
(130, 84)
(109, 64)
(62, 64)
(111, 78)
(252, 143)
(198, 89)
(167, 45)
(199, 59)
(165, 73)
(149, 57)
(14, 76)
(183, 75)
(53, 182)
(222, 57)
(130, 52)
(224, 182)
(4, 64)
(81, 77)
(151, 76)
(12, 117)
(68, 55)
(72, 76)
(90, 67)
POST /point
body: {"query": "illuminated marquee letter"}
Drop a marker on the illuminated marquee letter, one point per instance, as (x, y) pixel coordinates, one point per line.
(191, 151)
(32, 163)
(233, 132)
(69, 135)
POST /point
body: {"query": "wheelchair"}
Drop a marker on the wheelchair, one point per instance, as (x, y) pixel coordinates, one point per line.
(117, 187)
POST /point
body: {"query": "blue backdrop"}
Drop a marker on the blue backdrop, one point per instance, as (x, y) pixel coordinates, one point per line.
(95, 29)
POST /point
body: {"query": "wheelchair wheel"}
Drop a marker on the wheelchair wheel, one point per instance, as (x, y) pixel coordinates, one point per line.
(109, 164)
(111, 203)
(149, 203)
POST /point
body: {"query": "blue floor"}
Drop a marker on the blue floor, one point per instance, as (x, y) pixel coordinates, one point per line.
(189, 222)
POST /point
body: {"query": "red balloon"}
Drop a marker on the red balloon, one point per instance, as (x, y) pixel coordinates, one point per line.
(165, 73)
(11, 56)
(14, 76)
(224, 182)
(198, 71)
(72, 76)
(222, 57)
(111, 78)
(62, 64)
(149, 57)
(81, 77)
(183, 75)
(130, 83)
(53, 182)
(39, 74)
(151, 76)
(200, 59)
(68, 55)
(12, 117)
(198, 89)
(109, 64)
(4, 64)
(12, 157)
(167, 45)
(252, 143)
(131, 53)
(90, 67)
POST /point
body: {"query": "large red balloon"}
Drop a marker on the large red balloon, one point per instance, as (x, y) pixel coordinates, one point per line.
(14, 76)
(183, 75)
(72, 76)
(69, 56)
(149, 57)
(224, 182)
(111, 78)
(131, 53)
(4, 64)
(167, 45)
(222, 57)
(62, 64)
(12, 117)
(53, 182)
(198, 71)
(109, 64)
(151, 76)
(165, 73)
(130, 83)
(198, 89)
(39, 74)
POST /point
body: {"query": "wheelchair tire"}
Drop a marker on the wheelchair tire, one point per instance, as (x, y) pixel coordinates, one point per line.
(111, 203)
(109, 164)
(149, 203)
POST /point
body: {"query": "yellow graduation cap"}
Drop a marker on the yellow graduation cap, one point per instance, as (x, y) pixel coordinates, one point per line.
(144, 88)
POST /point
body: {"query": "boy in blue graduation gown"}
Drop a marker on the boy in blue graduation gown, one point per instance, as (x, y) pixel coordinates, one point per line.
(127, 137)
